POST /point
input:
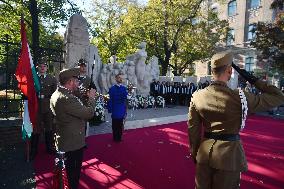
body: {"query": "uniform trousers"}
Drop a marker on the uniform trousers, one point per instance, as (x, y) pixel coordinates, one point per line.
(210, 178)
(117, 128)
(73, 165)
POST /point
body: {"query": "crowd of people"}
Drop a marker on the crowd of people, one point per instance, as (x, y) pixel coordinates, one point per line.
(175, 93)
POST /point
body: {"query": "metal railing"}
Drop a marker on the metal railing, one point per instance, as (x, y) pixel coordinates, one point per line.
(11, 102)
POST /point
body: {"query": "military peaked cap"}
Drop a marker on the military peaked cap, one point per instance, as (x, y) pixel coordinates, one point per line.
(67, 74)
(82, 62)
(221, 59)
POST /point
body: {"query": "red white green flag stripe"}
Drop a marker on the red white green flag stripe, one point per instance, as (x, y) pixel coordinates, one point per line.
(28, 83)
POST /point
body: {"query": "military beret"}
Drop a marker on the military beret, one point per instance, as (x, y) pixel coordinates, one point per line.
(221, 59)
(82, 62)
(67, 74)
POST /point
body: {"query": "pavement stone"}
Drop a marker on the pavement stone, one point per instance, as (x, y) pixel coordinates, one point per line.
(141, 118)
(144, 118)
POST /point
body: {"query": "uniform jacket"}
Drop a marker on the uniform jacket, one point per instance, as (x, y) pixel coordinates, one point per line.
(48, 85)
(84, 85)
(218, 109)
(70, 116)
(117, 101)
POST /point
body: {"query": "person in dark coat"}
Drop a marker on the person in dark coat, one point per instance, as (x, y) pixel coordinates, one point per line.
(117, 106)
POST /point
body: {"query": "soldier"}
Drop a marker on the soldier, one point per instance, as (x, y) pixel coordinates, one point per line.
(70, 116)
(219, 154)
(48, 85)
(85, 82)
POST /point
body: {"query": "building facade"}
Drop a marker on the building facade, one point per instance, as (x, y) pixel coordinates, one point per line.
(242, 16)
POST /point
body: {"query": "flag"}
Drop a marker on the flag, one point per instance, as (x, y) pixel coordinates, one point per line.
(28, 83)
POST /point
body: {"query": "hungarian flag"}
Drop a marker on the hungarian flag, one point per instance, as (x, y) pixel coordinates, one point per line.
(28, 83)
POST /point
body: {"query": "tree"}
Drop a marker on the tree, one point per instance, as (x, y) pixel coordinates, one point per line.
(40, 15)
(171, 33)
(269, 41)
(107, 19)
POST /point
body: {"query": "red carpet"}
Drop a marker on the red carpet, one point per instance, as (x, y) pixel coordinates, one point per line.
(157, 158)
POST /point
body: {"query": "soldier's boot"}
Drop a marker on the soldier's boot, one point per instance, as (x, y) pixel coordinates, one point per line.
(49, 142)
(34, 145)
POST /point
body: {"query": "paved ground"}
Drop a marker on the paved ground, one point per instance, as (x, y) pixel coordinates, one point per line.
(16, 173)
(153, 116)
(143, 118)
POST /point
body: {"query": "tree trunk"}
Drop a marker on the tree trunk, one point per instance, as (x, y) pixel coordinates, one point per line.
(165, 63)
(33, 9)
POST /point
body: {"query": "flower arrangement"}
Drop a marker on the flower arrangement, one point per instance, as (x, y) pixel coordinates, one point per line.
(150, 101)
(132, 102)
(141, 101)
(99, 116)
(160, 101)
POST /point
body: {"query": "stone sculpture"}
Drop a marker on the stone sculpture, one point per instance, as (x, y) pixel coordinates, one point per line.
(103, 85)
(76, 41)
(134, 71)
(140, 59)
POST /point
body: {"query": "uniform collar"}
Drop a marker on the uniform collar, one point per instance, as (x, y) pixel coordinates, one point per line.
(118, 84)
(222, 83)
(65, 89)
(44, 75)
(82, 76)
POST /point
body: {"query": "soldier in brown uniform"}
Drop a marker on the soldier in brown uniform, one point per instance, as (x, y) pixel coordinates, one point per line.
(70, 116)
(217, 151)
(48, 85)
(85, 83)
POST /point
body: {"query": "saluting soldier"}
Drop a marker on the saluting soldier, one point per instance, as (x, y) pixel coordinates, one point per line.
(70, 116)
(44, 125)
(219, 155)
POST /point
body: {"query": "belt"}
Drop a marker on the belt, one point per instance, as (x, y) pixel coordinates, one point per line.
(44, 96)
(224, 137)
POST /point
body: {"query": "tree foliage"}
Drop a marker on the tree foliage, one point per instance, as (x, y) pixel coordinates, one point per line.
(42, 18)
(106, 21)
(269, 41)
(177, 32)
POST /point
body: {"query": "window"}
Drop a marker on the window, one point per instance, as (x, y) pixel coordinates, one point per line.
(230, 37)
(249, 62)
(251, 32)
(254, 3)
(232, 8)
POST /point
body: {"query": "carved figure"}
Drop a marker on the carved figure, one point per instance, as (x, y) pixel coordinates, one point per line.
(103, 80)
(140, 58)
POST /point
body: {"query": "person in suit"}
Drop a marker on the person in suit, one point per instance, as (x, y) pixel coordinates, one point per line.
(117, 106)
(70, 116)
(44, 125)
(216, 149)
